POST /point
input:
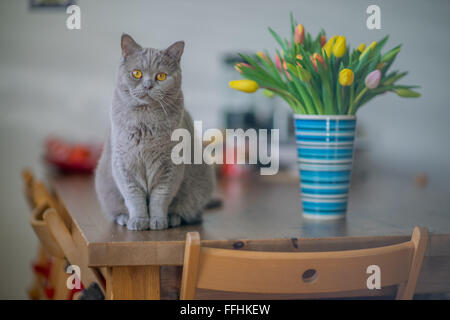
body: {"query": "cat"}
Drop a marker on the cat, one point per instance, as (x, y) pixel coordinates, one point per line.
(136, 181)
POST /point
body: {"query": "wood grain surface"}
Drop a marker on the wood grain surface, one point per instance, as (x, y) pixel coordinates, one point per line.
(264, 214)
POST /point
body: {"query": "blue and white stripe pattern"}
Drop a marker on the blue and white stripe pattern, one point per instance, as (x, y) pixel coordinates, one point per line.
(325, 157)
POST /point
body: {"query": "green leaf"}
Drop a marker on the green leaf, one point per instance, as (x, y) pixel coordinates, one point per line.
(407, 93)
(305, 97)
(395, 77)
(391, 54)
(277, 38)
(362, 63)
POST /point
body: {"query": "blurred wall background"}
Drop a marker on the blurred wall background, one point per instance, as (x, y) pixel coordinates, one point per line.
(54, 80)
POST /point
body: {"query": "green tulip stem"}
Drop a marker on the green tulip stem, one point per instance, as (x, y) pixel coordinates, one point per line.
(358, 97)
(289, 96)
(352, 94)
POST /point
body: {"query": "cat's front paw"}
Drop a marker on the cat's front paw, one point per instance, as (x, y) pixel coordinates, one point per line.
(159, 223)
(122, 219)
(138, 223)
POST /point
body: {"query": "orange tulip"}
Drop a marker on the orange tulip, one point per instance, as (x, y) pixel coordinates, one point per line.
(314, 59)
(263, 56)
(299, 34)
(238, 66)
(299, 57)
(286, 70)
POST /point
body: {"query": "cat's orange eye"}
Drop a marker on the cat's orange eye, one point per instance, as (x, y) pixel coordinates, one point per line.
(161, 76)
(137, 74)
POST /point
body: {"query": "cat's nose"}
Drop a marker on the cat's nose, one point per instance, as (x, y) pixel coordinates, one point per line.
(147, 84)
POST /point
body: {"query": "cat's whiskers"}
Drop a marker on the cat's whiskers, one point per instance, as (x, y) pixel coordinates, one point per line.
(161, 103)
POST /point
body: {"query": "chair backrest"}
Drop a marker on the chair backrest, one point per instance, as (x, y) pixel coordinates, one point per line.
(53, 227)
(301, 272)
(40, 199)
(28, 182)
(39, 196)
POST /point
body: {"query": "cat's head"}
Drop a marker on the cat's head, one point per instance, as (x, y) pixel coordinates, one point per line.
(149, 75)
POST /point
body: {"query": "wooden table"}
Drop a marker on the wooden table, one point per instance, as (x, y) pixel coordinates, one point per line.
(262, 213)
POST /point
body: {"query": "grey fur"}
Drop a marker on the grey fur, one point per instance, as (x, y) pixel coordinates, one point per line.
(136, 181)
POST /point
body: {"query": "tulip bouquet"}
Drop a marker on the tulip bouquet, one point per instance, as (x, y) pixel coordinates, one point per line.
(319, 77)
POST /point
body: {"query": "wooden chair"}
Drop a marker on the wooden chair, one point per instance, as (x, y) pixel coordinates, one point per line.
(49, 265)
(52, 225)
(301, 272)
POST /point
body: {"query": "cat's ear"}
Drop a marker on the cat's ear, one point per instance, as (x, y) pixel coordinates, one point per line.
(129, 46)
(176, 50)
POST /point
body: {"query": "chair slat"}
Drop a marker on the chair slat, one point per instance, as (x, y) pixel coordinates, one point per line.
(303, 272)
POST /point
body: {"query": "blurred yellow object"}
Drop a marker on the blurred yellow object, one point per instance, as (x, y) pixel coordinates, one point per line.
(329, 46)
(339, 47)
(245, 85)
(368, 50)
(361, 47)
(346, 77)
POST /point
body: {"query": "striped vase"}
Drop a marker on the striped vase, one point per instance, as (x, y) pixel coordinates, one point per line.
(325, 157)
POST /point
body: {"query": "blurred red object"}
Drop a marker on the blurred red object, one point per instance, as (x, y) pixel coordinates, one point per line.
(232, 169)
(72, 157)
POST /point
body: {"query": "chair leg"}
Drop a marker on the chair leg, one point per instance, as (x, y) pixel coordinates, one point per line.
(133, 283)
(36, 290)
(58, 279)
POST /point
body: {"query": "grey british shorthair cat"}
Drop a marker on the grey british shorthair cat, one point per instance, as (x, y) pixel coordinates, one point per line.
(136, 181)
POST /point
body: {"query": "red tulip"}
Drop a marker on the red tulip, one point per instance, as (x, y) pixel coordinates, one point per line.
(278, 63)
(286, 70)
(323, 40)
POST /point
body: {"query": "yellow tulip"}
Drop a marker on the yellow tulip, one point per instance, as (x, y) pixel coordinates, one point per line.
(245, 85)
(329, 46)
(361, 47)
(346, 77)
(339, 47)
(368, 50)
